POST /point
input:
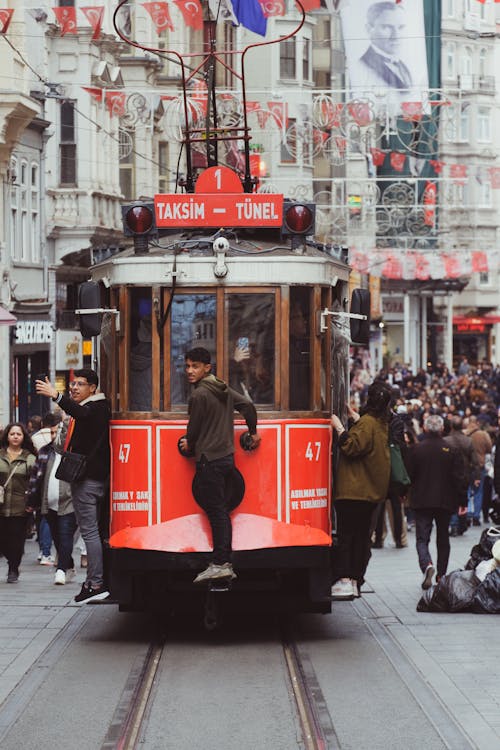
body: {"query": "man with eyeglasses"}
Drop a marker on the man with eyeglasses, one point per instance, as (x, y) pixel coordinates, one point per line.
(87, 434)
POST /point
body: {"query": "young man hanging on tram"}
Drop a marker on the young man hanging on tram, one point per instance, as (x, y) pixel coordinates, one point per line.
(210, 438)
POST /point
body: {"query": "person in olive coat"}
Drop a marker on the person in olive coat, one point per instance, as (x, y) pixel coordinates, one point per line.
(17, 457)
(362, 479)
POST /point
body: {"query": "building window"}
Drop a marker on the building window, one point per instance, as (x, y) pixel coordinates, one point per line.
(163, 179)
(288, 66)
(450, 60)
(466, 61)
(306, 59)
(484, 197)
(127, 162)
(24, 212)
(68, 144)
(484, 124)
(35, 213)
(482, 62)
(484, 278)
(464, 123)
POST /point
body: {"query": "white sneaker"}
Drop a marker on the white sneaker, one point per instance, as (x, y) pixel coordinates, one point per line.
(60, 578)
(216, 572)
(46, 560)
(342, 590)
(428, 576)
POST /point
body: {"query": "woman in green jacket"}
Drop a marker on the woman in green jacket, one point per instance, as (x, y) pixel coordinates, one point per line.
(362, 480)
(17, 457)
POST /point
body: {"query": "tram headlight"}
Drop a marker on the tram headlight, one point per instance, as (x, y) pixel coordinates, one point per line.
(139, 222)
(298, 218)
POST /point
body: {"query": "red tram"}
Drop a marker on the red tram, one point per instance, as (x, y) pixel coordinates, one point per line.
(271, 305)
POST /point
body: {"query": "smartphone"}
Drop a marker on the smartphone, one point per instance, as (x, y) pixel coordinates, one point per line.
(242, 342)
(41, 376)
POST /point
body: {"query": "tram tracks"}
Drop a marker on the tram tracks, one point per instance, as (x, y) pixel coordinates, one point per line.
(311, 713)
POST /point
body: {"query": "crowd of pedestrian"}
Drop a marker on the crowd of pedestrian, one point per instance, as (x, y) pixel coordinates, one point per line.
(36, 494)
(446, 425)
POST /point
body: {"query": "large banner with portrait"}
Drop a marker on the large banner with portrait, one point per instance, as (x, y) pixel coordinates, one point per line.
(386, 52)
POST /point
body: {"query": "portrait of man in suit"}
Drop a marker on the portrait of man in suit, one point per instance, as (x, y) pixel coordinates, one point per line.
(386, 23)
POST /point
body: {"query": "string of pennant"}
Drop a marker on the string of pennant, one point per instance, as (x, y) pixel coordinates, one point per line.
(411, 265)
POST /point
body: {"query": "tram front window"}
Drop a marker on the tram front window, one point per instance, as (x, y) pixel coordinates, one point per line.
(193, 321)
(299, 363)
(140, 351)
(251, 345)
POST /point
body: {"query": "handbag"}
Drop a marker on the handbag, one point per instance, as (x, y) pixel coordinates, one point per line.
(72, 467)
(399, 475)
(3, 486)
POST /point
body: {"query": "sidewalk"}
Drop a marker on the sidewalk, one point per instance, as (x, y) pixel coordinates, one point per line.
(457, 654)
(34, 611)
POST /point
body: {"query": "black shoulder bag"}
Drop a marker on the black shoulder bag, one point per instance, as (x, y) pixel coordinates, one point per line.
(73, 466)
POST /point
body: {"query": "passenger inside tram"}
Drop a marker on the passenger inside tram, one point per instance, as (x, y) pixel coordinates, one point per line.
(299, 365)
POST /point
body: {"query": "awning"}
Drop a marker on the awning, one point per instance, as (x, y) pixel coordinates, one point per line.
(6, 318)
(482, 320)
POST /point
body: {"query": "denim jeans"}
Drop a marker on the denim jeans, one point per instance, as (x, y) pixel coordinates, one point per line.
(44, 537)
(63, 529)
(87, 497)
(424, 518)
(210, 493)
(476, 498)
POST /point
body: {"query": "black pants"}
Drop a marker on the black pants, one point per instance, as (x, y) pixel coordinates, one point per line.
(424, 518)
(210, 492)
(351, 554)
(12, 538)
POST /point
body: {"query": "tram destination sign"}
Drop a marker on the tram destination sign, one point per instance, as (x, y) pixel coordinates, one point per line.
(219, 210)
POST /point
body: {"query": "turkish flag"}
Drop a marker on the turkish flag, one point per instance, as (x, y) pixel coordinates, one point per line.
(161, 16)
(252, 106)
(430, 192)
(378, 156)
(262, 117)
(279, 111)
(66, 18)
(94, 16)
(5, 18)
(96, 94)
(479, 262)
(359, 260)
(422, 267)
(494, 177)
(191, 12)
(412, 111)
(397, 161)
(452, 267)
(115, 103)
(437, 165)
(361, 113)
(392, 268)
(458, 173)
(310, 4)
(272, 7)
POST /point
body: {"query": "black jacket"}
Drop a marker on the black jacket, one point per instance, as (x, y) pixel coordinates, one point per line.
(91, 432)
(437, 475)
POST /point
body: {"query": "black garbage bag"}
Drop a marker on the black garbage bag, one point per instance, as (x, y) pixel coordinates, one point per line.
(453, 593)
(486, 599)
(482, 550)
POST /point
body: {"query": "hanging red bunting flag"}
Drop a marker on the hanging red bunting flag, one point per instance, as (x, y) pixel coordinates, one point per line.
(359, 260)
(422, 267)
(437, 165)
(262, 117)
(412, 111)
(458, 173)
(115, 103)
(479, 262)
(252, 106)
(378, 156)
(452, 266)
(160, 14)
(5, 18)
(494, 173)
(361, 113)
(96, 94)
(397, 161)
(272, 7)
(66, 18)
(392, 268)
(191, 12)
(279, 111)
(94, 15)
(310, 4)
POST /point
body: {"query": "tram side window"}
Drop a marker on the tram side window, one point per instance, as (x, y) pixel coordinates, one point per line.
(140, 350)
(193, 323)
(299, 361)
(251, 345)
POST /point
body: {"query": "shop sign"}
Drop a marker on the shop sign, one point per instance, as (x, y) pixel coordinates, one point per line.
(470, 328)
(68, 350)
(33, 332)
